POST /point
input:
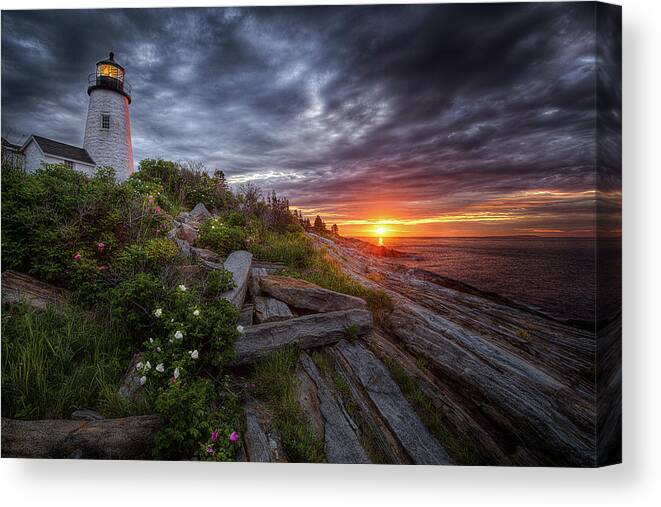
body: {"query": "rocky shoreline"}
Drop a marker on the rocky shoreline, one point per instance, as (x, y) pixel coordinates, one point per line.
(504, 385)
(517, 383)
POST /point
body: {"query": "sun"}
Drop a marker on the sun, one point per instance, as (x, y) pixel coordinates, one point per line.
(379, 230)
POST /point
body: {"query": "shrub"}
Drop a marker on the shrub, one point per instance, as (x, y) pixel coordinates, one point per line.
(221, 237)
(191, 414)
(217, 282)
(133, 299)
(161, 251)
(186, 186)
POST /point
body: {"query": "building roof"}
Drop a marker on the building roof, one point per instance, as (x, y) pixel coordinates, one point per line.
(10, 146)
(63, 150)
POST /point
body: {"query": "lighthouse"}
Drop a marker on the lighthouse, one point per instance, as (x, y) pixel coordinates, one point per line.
(108, 126)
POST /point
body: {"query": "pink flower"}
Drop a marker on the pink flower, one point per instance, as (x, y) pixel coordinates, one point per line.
(234, 436)
(214, 435)
(100, 246)
(210, 450)
(77, 256)
(150, 198)
(157, 209)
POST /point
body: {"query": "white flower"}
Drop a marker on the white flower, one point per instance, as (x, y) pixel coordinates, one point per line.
(171, 320)
(171, 341)
(194, 355)
(158, 349)
(182, 288)
(151, 340)
(160, 368)
(176, 373)
(239, 328)
(139, 366)
(158, 312)
(179, 335)
(196, 312)
(147, 366)
(143, 379)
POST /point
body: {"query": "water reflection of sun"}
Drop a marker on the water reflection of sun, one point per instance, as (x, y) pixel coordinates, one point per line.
(380, 231)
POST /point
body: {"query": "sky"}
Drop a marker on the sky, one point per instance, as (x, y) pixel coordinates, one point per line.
(446, 120)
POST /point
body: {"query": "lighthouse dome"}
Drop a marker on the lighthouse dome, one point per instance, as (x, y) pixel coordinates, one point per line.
(110, 75)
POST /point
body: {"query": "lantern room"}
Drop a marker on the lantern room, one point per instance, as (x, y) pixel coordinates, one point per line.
(109, 75)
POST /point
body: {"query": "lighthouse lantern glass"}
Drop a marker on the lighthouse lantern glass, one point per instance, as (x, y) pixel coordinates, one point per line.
(109, 70)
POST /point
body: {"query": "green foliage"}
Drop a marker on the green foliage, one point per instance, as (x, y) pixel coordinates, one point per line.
(222, 238)
(58, 360)
(275, 384)
(192, 414)
(181, 324)
(461, 450)
(133, 299)
(161, 251)
(217, 282)
(185, 186)
(64, 227)
(293, 249)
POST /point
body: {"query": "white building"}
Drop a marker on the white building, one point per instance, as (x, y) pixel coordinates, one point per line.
(107, 140)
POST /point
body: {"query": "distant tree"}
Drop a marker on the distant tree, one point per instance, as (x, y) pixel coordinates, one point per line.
(249, 196)
(307, 224)
(335, 230)
(319, 224)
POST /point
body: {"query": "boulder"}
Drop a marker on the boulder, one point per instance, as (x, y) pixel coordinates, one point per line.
(205, 254)
(308, 296)
(269, 309)
(309, 331)
(86, 414)
(238, 263)
(19, 287)
(184, 247)
(183, 217)
(130, 384)
(200, 213)
(328, 417)
(172, 233)
(261, 446)
(364, 370)
(123, 438)
(188, 233)
(256, 274)
(270, 267)
(246, 315)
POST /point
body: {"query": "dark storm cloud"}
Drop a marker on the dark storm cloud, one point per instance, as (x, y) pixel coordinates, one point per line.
(432, 109)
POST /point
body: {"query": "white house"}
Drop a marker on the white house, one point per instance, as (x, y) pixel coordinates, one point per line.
(107, 141)
(39, 150)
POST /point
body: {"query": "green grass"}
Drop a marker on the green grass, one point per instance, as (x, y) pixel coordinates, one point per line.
(276, 384)
(460, 450)
(304, 261)
(58, 360)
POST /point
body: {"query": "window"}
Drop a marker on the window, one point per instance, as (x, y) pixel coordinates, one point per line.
(105, 121)
(69, 164)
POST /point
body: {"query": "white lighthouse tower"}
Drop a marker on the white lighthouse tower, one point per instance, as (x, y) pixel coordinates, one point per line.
(108, 127)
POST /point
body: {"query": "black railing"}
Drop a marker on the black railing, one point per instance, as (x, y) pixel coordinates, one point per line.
(109, 82)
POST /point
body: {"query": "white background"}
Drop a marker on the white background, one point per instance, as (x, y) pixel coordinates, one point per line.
(636, 482)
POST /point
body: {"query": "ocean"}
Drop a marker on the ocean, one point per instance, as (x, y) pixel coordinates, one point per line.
(556, 276)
